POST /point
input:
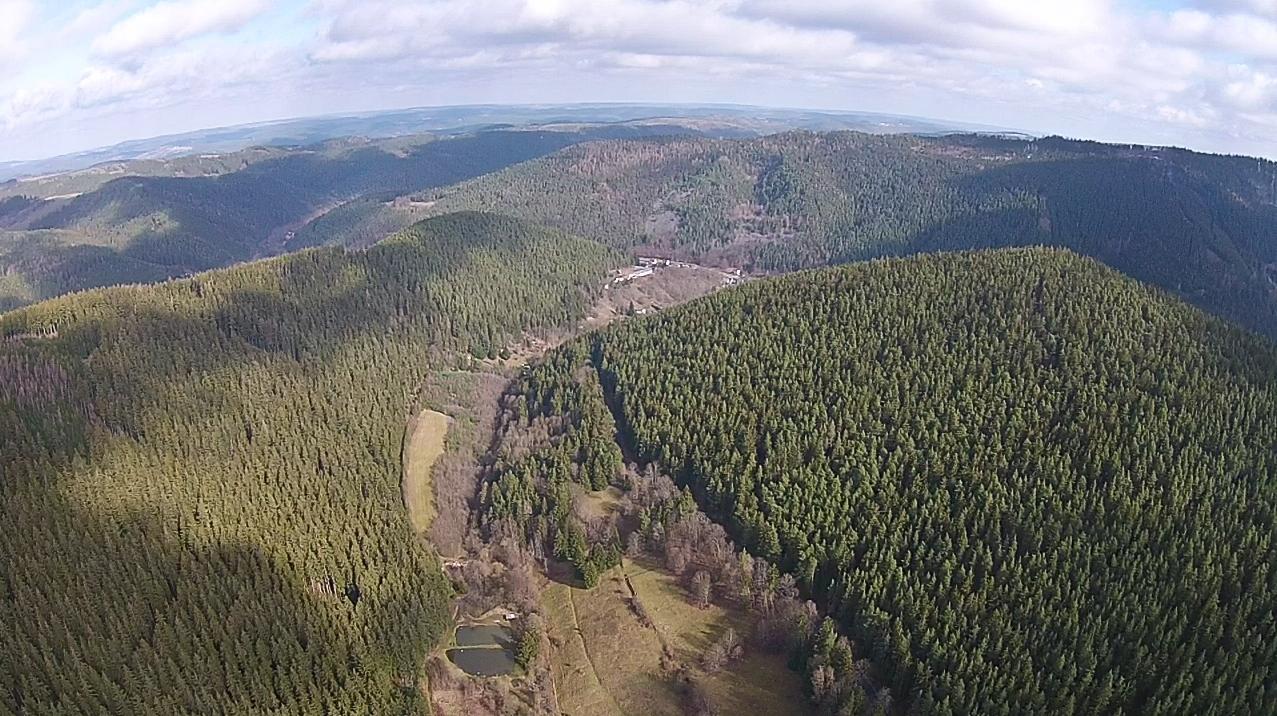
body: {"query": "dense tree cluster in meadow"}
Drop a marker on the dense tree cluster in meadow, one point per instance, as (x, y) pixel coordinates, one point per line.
(557, 432)
(1023, 483)
(200, 480)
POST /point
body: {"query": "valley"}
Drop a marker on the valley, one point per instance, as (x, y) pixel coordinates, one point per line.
(503, 358)
(625, 551)
(175, 218)
(611, 412)
(633, 643)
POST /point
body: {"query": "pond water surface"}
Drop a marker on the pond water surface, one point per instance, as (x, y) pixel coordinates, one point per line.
(483, 661)
(485, 635)
(484, 649)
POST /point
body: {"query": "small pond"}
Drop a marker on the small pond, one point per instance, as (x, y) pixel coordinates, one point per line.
(485, 635)
(483, 661)
(484, 649)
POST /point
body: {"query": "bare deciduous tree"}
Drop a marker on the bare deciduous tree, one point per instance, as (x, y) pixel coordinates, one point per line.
(702, 588)
(633, 545)
(676, 560)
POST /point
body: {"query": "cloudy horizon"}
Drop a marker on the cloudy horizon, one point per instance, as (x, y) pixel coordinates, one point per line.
(1195, 73)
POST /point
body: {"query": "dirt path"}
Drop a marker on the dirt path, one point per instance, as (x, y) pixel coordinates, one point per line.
(594, 669)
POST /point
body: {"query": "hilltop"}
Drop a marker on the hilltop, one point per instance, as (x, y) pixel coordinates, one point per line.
(1018, 480)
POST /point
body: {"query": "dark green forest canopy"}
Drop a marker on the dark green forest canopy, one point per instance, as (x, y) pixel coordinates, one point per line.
(200, 480)
(1025, 483)
(1202, 226)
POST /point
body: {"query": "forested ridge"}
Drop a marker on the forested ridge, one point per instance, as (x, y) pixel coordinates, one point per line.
(135, 229)
(1202, 226)
(201, 478)
(1022, 482)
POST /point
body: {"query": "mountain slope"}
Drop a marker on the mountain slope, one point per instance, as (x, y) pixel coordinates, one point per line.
(146, 228)
(1025, 483)
(1202, 226)
(201, 479)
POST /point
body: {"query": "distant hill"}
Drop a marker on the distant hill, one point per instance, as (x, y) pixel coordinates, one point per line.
(200, 213)
(723, 120)
(1202, 226)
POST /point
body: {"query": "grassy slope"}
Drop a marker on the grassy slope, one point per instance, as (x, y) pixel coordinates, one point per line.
(607, 662)
(423, 444)
(759, 682)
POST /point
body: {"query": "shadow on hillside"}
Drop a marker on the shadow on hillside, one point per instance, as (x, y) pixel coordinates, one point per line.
(110, 613)
(140, 605)
(158, 380)
(199, 223)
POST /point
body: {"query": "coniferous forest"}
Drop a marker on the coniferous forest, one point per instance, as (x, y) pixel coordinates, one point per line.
(1020, 481)
(201, 479)
(1009, 480)
(149, 228)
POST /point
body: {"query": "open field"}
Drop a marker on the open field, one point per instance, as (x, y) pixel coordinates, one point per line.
(597, 504)
(757, 683)
(665, 287)
(578, 686)
(605, 661)
(423, 444)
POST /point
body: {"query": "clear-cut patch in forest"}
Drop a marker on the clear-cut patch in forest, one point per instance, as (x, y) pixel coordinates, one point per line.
(423, 444)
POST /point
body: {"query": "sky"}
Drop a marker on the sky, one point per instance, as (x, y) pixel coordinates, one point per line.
(77, 74)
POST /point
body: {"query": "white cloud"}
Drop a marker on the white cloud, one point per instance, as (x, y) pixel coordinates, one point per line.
(91, 19)
(1245, 34)
(1250, 90)
(160, 80)
(175, 20)
(15, 15)
(378, 29)
(1256, 7)
(1179, 115)
(1202, 74)
(178, 76)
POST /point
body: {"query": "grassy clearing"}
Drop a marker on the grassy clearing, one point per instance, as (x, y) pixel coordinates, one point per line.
(423, 445)
(757, 683)
(599, 503)
(605, 661)
(576, 684)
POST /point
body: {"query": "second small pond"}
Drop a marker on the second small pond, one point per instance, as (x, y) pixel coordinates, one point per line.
(483, 661)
